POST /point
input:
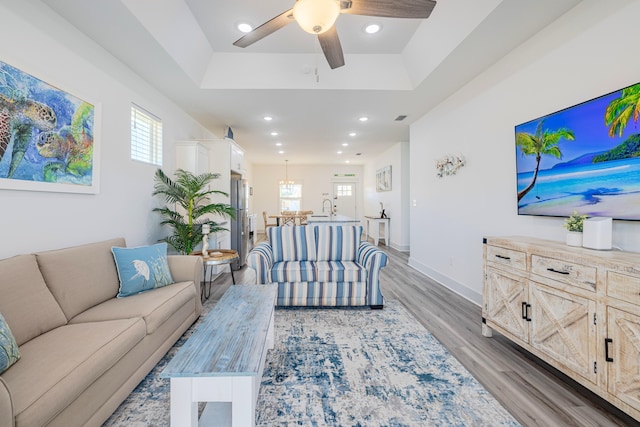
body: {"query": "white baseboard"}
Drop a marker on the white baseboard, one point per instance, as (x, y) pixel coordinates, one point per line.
(447, 282)
(401, 248)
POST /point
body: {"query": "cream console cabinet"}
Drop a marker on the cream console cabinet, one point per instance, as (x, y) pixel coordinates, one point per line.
(575, 308)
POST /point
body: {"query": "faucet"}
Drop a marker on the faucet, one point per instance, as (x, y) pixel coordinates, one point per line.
(330, 206)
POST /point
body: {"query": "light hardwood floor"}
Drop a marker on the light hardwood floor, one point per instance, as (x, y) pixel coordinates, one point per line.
(532, 391)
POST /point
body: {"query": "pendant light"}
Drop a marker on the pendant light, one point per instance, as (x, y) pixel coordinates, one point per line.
(286, 183)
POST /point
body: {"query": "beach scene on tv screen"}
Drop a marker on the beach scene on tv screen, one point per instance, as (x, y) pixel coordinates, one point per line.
(583, 159)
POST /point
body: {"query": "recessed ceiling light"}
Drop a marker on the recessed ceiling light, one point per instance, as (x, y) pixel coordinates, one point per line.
(372, 28)
(243, 27)
(274, 133)
(347, 161)
(278, 144)
(268, 118)
(281, 152)
(352, 134)
(339, 152)
(362, 119)
(345, 144)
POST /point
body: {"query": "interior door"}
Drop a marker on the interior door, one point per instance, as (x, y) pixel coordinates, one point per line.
(344, 198)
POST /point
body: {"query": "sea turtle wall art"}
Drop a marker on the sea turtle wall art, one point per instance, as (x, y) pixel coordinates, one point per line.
(46, 135)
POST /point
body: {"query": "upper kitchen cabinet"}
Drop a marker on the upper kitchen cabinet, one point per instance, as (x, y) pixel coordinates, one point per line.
(192, 156)
(237, 159)
(225, 155)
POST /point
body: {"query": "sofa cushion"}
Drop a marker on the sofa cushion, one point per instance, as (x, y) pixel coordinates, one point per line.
(330, 294)
(340, 271)
(82, 276)
(338, 243)
(154, 307)
(142, 269)
(58, 366)
(293, 271)
(25, 301)
(9, 351)
(297, 243)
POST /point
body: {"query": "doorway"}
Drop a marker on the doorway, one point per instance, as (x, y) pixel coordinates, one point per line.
(344, 198)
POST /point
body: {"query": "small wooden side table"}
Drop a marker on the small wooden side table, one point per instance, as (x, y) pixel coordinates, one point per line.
(216, 257)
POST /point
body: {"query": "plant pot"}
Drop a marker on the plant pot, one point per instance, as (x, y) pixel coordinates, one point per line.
(574, 238)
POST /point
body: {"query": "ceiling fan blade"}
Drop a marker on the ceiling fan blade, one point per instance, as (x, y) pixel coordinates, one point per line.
(420, 9)
(265, 29)
(331, 47)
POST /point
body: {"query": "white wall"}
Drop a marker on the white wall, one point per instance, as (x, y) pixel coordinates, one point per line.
(588, 52)
(41, 43)
(317, 184)
(396, 201)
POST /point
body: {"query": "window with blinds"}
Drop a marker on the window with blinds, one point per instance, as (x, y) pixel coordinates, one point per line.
(146, 136)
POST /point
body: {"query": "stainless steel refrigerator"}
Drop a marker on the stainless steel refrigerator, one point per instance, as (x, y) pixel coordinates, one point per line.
(239, 197)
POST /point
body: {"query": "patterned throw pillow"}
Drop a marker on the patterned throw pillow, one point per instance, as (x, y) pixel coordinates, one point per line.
(9, 352)
(142, 269)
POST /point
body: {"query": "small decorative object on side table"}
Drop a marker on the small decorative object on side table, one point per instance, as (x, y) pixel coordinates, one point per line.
(382, 213)
(205, 239)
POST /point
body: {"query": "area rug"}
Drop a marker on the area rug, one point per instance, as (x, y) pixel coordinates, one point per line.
(346, 367)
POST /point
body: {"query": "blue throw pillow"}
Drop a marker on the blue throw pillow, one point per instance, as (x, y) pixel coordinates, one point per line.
(9, 351)
(142, 269)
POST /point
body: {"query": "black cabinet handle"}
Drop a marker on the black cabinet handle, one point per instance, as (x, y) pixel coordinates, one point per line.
(528, 318)
(606, 349)
(503, 257)
(553, 270)
(524, 310)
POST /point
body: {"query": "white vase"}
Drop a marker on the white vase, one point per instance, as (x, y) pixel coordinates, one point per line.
(205, 245)
(574, 238)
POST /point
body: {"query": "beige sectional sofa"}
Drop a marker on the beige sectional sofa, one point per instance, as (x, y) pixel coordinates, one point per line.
(83, 350)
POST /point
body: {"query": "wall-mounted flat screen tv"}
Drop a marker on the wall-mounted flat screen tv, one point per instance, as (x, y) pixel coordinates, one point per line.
(585, 158)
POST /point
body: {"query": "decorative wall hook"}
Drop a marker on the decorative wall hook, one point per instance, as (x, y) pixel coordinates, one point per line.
(449, 165)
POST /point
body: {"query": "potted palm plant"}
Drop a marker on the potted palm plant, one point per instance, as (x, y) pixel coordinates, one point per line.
(574, 225)
(188, 207)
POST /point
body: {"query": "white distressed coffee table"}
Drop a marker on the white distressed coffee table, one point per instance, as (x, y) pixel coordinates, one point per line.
(222, 361)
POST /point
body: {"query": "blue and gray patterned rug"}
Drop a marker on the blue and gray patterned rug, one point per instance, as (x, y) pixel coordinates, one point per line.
(346, 367)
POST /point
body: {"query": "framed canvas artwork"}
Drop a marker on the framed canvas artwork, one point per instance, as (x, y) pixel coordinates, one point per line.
(47, 136)
(383, 179)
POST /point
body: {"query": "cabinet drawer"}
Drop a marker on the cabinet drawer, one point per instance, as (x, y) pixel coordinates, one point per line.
(510, 257)
(563, 271)
(623, 287)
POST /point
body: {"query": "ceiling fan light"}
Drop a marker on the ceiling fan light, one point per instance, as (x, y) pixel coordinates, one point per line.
(316, 16)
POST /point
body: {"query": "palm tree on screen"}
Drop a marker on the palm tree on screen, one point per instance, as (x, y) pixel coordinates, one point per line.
(620, 110)
(544, 142)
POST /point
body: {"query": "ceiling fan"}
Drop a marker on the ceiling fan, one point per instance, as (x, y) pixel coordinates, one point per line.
(318, 17)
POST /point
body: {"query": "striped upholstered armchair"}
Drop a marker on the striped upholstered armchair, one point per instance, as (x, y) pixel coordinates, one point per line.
(320, 265)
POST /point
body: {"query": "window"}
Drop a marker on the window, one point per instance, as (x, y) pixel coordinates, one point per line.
(146, 136)
(290, 197)
(344, 190)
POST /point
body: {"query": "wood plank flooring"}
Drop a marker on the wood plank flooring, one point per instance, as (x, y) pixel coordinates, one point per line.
(535, 393)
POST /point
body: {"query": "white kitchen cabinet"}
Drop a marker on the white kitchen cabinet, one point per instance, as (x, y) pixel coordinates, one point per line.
(192, 156)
